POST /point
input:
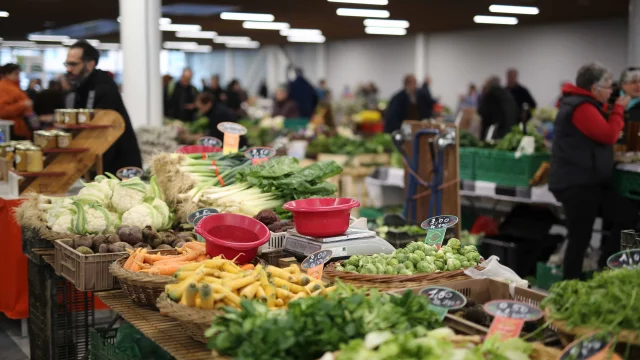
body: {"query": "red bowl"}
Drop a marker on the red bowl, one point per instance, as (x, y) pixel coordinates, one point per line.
(233, 235)
(196, 149)
(321, 217)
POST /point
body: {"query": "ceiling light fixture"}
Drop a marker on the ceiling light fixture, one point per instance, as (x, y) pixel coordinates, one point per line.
(363, 2)
(161, 21)
(19, 44)
(180, 45)
(245, 45)
(200, 48)
(387, 23)
(4, 14)
(47, 37)
(246, 16)
(509, 9)
(231, 39)
(363, 13)
(496, 20)
(296, 32)
(196, 34)
(306, 39)
(265, 25)
(69, 42)
(374, 30)
(180, 27)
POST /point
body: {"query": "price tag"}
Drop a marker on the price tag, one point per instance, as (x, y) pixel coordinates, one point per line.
(443, 299)
(627, 258)
(210, 141)
(258, 155)
(437, 227)
(232, 133)
(314, 263)
(200, 212)
(510, 316)
(593, 346)
(129, 172)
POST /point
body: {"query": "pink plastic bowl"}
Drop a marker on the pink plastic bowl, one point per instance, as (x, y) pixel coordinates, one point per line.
(321, 217)
(231, 235)
(195, 149)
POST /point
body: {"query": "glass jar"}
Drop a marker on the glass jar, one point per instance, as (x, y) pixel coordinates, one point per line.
(59, 116)
(21, 158)
(64, 139)
(39, 138)
(84, 116)
(71, 117)
(35, 159)
(9, 151)
(49, 140)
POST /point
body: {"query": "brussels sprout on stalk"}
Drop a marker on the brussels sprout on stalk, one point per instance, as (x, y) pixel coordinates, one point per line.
(454, 244)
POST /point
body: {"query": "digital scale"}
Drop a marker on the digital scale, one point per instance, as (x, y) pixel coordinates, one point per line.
(352, 242)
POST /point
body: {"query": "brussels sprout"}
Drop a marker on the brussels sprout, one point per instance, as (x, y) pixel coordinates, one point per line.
(400, 267)
(411, 247)
(405, 272)
(453, 264)
(424, 267)
(467, 249)
(454, 244)
(473, 256)
(339, 268)
(409, 265)
(402, 257)
(420, 254)
(466, 264)
(460, 258)
(392, 262)
(354, 260)
(439, 264)
(448, 256)
(430, 249)
(446, 249)
(415, 259)
(350, 268)
(380, 268)
(430, 259)
(439, 255)
(365, 260)
(389, 270)
(369, 269)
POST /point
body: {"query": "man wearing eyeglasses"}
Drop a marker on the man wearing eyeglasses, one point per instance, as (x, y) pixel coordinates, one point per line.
(95, 89)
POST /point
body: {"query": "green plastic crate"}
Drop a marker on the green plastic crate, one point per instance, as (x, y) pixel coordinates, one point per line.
(467, 163)
(296, 124)
(627, 183)
(547, 275)
(502, 167)
(103, 345)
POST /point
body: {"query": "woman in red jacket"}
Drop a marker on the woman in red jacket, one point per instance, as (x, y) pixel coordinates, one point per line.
(15, 105)
(582, 165)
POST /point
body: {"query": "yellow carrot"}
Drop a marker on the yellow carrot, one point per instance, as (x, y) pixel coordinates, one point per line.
(279, 273)
(287, 285)
(249, 292)
(239, 283)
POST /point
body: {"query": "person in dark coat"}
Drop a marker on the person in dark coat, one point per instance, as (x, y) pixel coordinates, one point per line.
(408, 104)
(215, 111)
(582, 166)
(47, 101)
(283, 105)
(520, 93)
(95, 89)
(496, 107)
(304, 95)
(180, 98)
(214, 88)
(235, 96)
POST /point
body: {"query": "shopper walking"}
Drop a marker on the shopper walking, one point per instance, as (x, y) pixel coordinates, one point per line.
(180, 98)
(15, 105)
(407, 104)
(235, 96)
(582, 165)
(283, 105)
(214, 88)
(497, 108)
(303, 93)
(95, 89)
(520, 93)
(215, 112)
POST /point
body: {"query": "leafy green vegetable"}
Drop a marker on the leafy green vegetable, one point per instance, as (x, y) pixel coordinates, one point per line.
(511, 141)
(377, 144)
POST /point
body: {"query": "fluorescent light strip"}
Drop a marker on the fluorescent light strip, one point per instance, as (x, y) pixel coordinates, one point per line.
(19, 44)
(180, 27)
(200, 48)
(265, 25)
(363, 13)
(69, 42)
(47, 37)
(4, 14)
(246, 16)
(509, 9)
(373, 30)
(179, 45)
(161, 21)
(245, 45)
(387, 23)
(363, 2)
(196, 34)
(301, 32)
(496, 20)
(231, 39)
(307, 39)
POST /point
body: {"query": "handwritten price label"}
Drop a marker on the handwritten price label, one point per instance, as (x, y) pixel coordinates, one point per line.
(232, 133)
(592, 346)
(232, 128)
(509, 317)
(201, 212)
(437, 227)
(129, 172)
(210, 141)
(260, 153)
(314, 263)
(627, 258)
(443, 299)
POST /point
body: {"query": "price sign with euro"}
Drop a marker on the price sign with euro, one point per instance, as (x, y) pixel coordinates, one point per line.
(437, 227)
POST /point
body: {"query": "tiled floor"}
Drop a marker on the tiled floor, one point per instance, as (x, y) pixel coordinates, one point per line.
(12, 345)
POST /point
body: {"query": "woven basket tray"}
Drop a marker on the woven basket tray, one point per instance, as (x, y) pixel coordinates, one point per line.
(194, 321)
(568, 335)
(393, 282)
(141, 288)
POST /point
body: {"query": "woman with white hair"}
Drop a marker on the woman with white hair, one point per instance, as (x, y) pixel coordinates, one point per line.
(582, 165)
(630, 84)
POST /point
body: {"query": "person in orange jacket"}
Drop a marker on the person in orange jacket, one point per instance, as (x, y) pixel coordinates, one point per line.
(15, 105)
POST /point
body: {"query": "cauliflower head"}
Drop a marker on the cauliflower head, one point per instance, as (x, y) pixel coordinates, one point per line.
(97, 219)
(128, 194)
(64, 222)
(142, 215)
(95, 193)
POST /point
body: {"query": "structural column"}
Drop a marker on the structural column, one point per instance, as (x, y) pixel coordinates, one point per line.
(420, 64)
(141, 80)
(634, 33)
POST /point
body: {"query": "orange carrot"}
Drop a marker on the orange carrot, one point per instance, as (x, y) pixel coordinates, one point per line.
(198, 247)
(127, 264)
(247, 267)
(202, 257)
(149, 258)
(188, 257)
(139, 259)
(168, 269)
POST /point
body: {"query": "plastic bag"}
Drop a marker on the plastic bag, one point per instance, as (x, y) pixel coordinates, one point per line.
(494, 270)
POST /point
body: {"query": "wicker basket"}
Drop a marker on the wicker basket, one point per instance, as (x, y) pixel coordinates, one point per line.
(393, 282)
(194, 321)
(141, 288)
(568, 335)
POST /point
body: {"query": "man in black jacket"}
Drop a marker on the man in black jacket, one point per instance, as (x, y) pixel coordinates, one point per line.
(497, 107)
(180, 98)
(520, 93)
(408, 104)
(95, 89)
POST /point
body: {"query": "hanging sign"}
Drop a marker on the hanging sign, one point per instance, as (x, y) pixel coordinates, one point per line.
(314, 263)
(129, 172)
(627, 258)
(443, 299)
(590, 347)
(258, 155)
(509, 317)
(210, 141)
(437, 227)
(232, 133)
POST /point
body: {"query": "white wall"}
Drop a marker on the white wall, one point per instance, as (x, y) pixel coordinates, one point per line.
(544, 55)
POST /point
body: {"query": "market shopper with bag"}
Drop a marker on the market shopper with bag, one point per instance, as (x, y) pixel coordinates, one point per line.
(15, 105)
(95, 89)
(582, 165)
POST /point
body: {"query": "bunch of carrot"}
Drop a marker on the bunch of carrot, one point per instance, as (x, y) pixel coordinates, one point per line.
(162, 264)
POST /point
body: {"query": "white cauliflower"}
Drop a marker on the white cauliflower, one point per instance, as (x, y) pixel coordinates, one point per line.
(94, 192)
(142, 215)
(64, 222)
(128, 194)
(163, 210)
(97, 219)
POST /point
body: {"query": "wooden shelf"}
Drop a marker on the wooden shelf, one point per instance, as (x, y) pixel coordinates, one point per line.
(65, 150)
(82, 126)
(39, 174)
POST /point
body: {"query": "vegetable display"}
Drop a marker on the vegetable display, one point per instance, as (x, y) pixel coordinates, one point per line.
(609, 301)
(415, 258)
(220, 282)
(377, 144)
(314, 325)
(436, 344)
(511, 141)
(127, 238)
(161, 264)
